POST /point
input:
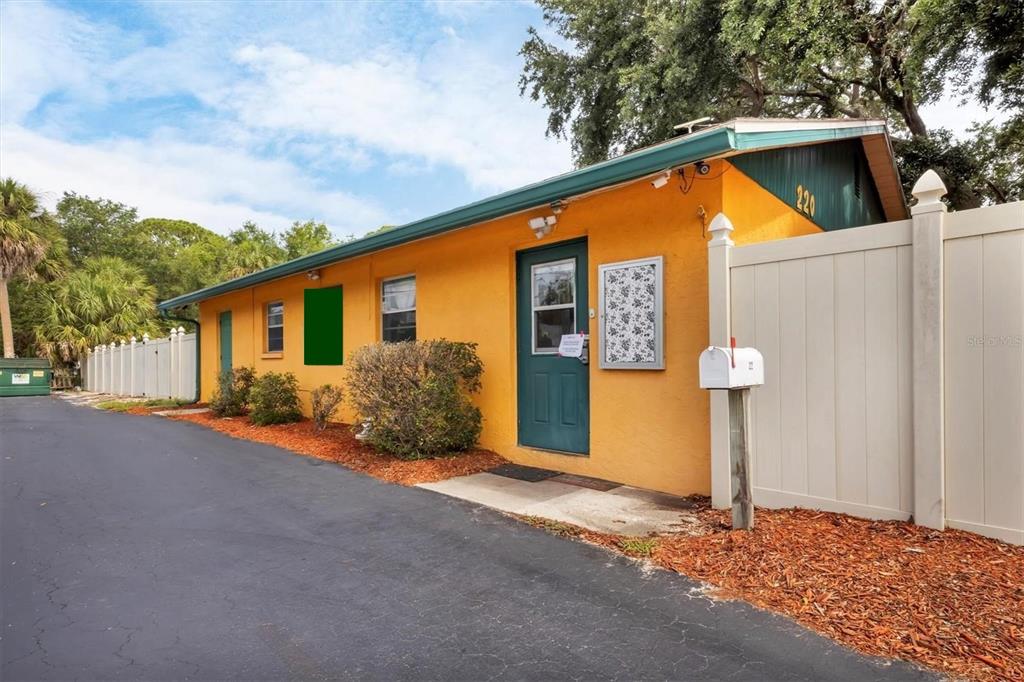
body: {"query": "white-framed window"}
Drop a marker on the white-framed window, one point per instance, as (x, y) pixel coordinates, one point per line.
(398, 309)
(275, 327)
(553, 303)
(632, 314)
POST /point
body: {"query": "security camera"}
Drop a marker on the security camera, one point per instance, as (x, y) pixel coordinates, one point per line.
(661, 180)
(702, 168)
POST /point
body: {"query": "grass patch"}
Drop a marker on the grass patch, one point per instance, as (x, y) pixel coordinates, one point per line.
(125, 405)
(554, 527)
(638, 546)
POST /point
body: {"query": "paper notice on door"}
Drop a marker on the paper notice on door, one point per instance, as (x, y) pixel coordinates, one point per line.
(571, 345)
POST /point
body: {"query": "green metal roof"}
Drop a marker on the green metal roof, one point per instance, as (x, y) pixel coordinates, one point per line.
(731, 137)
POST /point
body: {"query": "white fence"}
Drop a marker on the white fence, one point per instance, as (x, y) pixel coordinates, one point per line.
(154, 368)
(894, 366)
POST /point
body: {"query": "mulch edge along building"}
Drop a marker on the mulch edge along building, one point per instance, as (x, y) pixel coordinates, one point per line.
(617, 250)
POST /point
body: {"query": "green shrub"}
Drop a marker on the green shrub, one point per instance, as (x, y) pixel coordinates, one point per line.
(326, 399)
(274, 399)
(231, 397)
(416, 396)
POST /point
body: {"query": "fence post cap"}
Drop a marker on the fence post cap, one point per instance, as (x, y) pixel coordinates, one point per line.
(113, 345)
(145, 337)
(122, 342)
(720, 229)
(133, 340)
(181, 330)
(928, 190)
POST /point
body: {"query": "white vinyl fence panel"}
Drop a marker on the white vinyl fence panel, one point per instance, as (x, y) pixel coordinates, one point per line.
(832, 422)
(834, 426)
(153, 368)
(984, 370)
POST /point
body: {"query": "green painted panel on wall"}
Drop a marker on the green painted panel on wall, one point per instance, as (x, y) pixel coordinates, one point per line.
(829, 183)
(322, 332)
(225, 341)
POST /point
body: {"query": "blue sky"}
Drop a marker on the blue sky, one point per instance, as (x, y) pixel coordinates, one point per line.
(356, 114)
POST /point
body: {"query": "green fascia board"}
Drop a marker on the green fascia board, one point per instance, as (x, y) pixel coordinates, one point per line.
(702, 145)
(788, 138)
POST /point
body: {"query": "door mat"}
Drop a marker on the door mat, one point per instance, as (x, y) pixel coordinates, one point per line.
(586, 482)
(523, 473)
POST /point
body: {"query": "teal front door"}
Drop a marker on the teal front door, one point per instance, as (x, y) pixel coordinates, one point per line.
(554, 392)
(224, 324)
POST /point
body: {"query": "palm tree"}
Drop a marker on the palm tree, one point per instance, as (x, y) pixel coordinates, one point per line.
(21, 245)
(104, 300)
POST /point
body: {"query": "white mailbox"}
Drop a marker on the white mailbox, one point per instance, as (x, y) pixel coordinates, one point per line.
(729, 368)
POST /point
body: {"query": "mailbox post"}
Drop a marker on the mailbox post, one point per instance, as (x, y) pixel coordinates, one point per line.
(736, 370)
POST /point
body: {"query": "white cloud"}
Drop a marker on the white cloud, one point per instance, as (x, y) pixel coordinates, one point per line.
(218, 187)
(287, 97)
(43, 50)
(454, 106)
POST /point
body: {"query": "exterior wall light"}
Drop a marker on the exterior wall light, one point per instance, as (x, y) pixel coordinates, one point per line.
(542, 226)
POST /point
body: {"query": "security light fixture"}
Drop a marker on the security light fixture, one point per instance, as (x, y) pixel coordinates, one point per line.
(542, 226)
(313, 275)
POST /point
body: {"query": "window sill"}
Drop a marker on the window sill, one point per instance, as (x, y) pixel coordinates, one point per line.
(272, 356)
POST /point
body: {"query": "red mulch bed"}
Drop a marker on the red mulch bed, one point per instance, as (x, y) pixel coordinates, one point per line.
(338, 444)
(950, 600)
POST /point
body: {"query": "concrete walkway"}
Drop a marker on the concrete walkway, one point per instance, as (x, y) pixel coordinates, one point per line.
(622, 510)
(87, 398)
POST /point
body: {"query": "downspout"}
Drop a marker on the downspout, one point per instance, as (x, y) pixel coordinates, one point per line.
(199, 349)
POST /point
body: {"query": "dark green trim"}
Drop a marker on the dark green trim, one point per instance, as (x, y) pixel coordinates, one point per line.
(702, 145)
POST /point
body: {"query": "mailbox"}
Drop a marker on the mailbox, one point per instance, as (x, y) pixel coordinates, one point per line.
(729, 368)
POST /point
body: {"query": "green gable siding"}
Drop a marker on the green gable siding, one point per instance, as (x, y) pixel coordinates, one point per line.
(322, 328)
(829, 183)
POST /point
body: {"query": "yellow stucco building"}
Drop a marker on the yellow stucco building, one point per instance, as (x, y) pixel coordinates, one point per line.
(616, 250)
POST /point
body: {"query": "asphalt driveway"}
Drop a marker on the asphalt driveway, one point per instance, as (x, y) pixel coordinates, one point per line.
(141, 548)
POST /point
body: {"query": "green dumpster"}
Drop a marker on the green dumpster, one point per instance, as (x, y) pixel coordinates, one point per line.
(24, 376)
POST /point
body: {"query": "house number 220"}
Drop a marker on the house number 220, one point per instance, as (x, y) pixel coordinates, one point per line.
(804, 201)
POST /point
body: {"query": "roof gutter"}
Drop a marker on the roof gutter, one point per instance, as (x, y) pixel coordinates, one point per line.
(644, 162)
